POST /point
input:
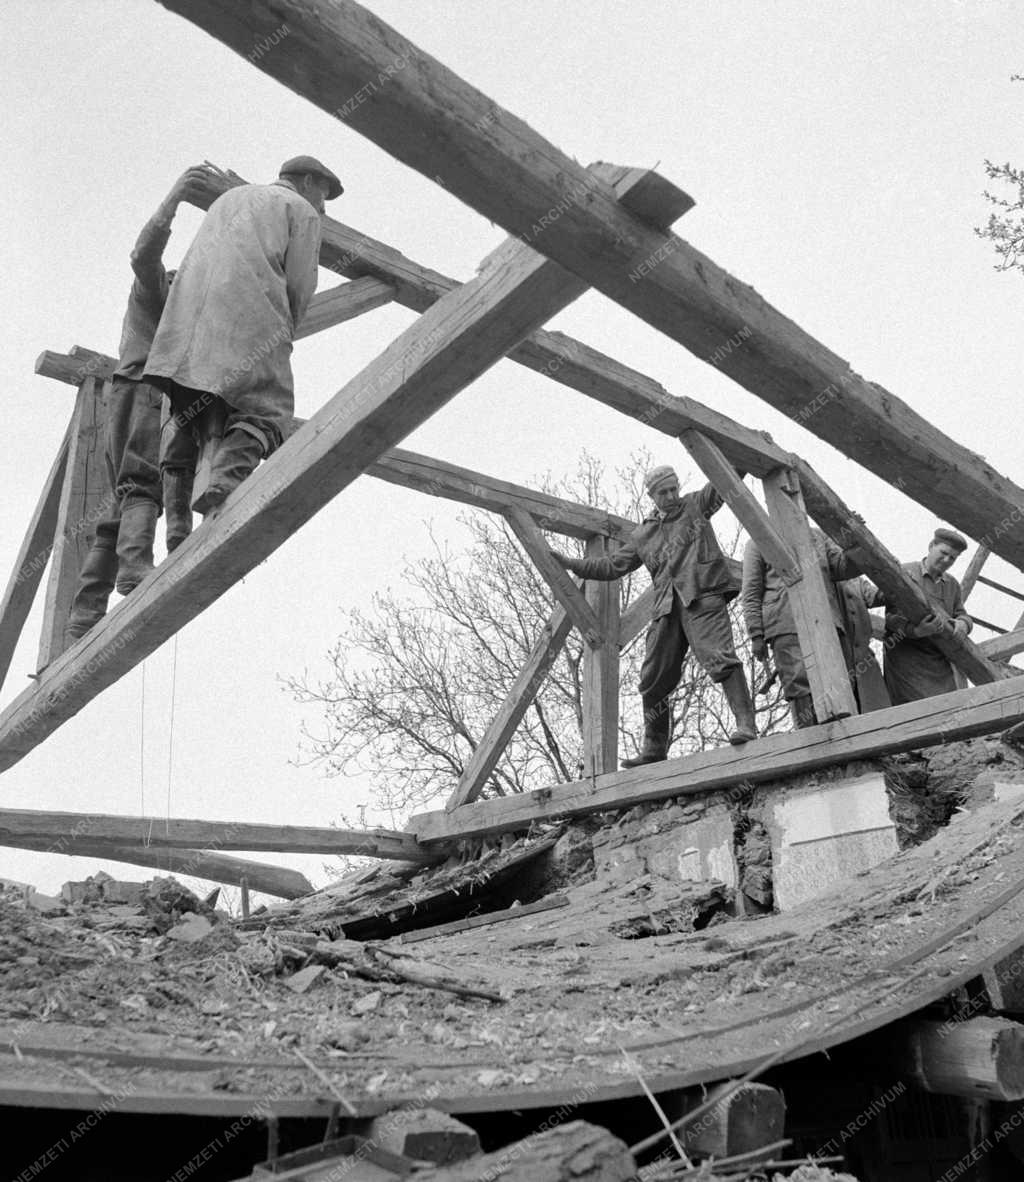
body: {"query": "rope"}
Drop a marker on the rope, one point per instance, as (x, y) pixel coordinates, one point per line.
(170, 729)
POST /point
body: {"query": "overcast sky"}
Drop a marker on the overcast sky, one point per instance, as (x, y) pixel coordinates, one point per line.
(835, 152)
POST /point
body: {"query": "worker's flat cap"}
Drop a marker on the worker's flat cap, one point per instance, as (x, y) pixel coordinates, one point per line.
(302, 164)
(658, 476)
(951, 538)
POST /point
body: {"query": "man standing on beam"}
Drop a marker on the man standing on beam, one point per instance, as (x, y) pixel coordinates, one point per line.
(914, 667)
(227, 330)
(692, 586)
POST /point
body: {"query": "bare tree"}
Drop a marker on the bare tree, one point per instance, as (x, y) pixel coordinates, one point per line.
(415, 680)
(1005, 226)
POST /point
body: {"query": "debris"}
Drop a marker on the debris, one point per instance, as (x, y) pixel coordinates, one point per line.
(425, 1134)
(302, 980)
(367, 1004)
(191, 928)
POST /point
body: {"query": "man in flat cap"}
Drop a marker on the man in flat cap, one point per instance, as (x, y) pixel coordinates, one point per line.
(227, 330)
(914, 667)
(692, 585)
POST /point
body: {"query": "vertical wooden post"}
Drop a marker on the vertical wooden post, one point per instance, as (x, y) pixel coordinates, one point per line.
(86, 497)
(601, 676)
(823, 657)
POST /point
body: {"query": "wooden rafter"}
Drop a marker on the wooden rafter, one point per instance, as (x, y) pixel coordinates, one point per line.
(979, 710)
(503, 726)
(271, 880)
(971, 575)
(430, 119)
(162, 833)
(452, 343)
(32, 558)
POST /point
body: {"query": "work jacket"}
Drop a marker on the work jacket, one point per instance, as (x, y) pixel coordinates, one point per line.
(680, 551)
(146, 301)
(238, 297)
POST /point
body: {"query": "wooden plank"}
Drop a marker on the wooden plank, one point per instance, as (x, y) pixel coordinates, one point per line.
(548, 903)
(344, 302)
(901, 592)
(563, 586)
(433, 121)
(32, 558)
(73, 370)
(977, 711)
(271, 880)
(978, 560)
(85, 498)
(730, 487)
(999, 587)
(524, 689)
(441, 479)
(812, 611)
(451, 344)
(600, 683)
(1001, 648)
(176, 833)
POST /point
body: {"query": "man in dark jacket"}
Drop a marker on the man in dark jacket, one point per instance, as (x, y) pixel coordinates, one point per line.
(692, 585)
(914, 667)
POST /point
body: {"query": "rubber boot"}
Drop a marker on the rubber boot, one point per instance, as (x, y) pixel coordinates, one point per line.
(802, 709)
(737, 694)
(236, 458)
(177, 497)
(135, 543)
(657, 728)
(95, 583)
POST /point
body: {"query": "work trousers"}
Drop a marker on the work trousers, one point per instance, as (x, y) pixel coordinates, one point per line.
(132, 445)
(269, 422)
(789, 661)
(705, 627)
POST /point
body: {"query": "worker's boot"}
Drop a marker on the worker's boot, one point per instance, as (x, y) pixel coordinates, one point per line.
(177, 505)
(135, 542)
(737, 694)
(236, 458)
(802, 709)
(657, 728)
(95, 583)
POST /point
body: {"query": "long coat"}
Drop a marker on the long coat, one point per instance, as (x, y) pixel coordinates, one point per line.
(239, 295)
(914, 667)
(681, 552)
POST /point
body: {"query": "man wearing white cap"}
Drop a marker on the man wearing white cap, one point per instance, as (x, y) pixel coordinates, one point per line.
(692, 585)
(227, 330)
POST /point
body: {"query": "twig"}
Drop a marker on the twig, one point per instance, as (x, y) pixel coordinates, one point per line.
(634, 1067)
(326, 1081)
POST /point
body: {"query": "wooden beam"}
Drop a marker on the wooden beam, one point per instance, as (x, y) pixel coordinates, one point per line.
(831, 688)
(161, 833)
(1001, 648)
(344, 302)
(32, 558)
(902, 594)
(981, 1058)
(86, 497)
(63, 367)
(433, 121)
(600, 684)
(563, 586)
(636, 617)
(440, 479)
(978, 560)
(517, 701)
(451, 344)
(271, 880)
(1000, 587)
(964, 714)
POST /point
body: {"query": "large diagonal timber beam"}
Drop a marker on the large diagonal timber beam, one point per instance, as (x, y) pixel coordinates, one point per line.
(258, 876)
(901, 592)
(437, 478)
(450, 345)
(980, 710)
(164, 833)
(357, 68)
(32, 557)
